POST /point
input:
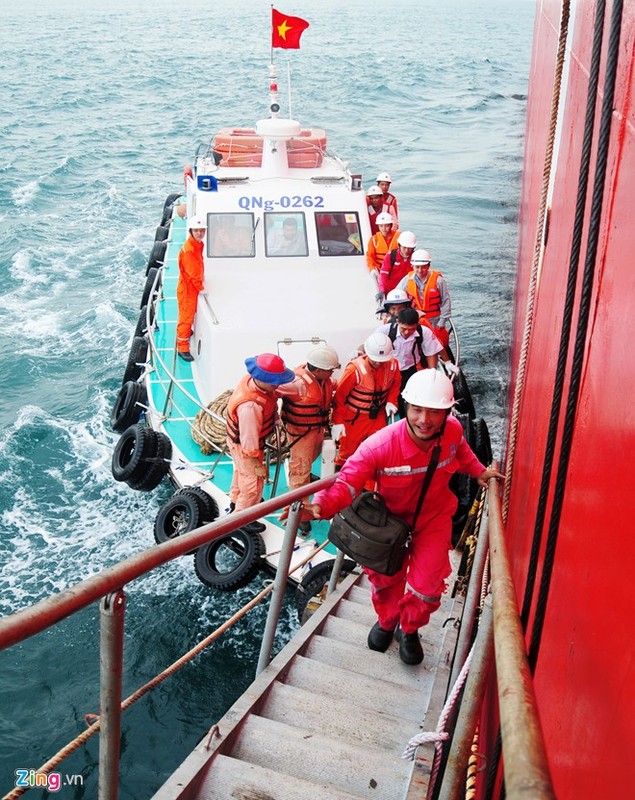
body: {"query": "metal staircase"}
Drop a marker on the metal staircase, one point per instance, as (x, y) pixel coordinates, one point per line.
(328, 718)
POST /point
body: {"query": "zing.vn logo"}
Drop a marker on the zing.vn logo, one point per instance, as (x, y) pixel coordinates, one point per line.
(28, 778)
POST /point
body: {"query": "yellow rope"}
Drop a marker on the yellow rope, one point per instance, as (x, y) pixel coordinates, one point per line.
(94, 727)
(537, 259)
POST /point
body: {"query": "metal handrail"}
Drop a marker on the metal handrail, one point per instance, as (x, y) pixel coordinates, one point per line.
(525, 757)
(25, 623)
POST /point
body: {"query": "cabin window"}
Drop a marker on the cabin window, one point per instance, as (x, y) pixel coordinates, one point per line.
(230, 235)
(285, 234)
(338, 234)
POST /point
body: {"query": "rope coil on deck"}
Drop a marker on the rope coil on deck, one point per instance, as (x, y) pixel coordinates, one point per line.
(209, 430)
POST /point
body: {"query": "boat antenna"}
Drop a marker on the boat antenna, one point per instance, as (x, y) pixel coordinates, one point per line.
(289, 87)
(274, 105)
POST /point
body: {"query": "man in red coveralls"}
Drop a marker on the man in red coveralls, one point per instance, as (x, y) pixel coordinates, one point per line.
(396, 459)
(191, 273)
(251, 416)
(305, 417)
(396, 264)
(367, 391)
(383, 181)
(375, 204)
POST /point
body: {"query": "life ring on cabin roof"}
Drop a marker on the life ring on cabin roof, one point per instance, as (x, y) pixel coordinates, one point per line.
(230, 562)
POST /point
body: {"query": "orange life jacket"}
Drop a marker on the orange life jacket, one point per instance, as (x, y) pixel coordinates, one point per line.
(430, 303)
(248, 391)
(379, 245)
(311, 411)
(373, 385)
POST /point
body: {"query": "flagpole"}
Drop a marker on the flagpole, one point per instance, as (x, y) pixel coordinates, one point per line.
(271, 57)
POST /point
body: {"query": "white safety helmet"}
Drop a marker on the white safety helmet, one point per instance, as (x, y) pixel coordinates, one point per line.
(429, 388)
(397, 296)
(378, 347)
(384, 218)
(407, 239)
(323, 357)
(197, 223)
(421, 257)
(373, 191)
(384, 176)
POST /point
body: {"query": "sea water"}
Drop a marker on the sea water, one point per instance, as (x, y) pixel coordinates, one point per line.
(103, 103)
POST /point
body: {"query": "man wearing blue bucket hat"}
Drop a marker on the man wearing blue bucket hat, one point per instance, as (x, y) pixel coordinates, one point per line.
(251, 416)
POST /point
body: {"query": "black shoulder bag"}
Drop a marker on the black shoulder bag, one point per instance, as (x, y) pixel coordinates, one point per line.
(372, 536)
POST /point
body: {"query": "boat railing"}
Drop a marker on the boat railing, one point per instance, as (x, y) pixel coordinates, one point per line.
(108, 587)
(500, 637)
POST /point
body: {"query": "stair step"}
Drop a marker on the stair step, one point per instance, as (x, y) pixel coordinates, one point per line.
(367, 662)
(361, 593)
(343, 629)
(355, 689)
(231, 778)
(316, 757)
(357, 612)
(306, 708)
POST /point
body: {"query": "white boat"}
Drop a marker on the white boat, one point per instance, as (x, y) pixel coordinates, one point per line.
(246, 183)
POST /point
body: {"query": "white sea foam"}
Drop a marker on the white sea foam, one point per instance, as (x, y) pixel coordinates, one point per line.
(23, 195)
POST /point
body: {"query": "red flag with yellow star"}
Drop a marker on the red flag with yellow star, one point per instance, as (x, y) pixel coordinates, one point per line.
(286, 31)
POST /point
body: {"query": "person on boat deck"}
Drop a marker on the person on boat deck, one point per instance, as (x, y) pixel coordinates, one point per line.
(396, 264)
(395, 460)
(429, 292)
(416, 347)
(252, 410)
(288, 242)
(376, 206)
(366, 393)
(380, 243)
(190, 283)
(305, 417)
(383, 181)
(396, 301)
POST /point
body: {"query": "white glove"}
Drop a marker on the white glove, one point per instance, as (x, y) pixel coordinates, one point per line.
(337, 430)
(391, 409)
(451, 368)
(374, 274)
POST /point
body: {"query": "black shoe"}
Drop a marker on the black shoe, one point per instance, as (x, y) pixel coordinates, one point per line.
(232, 506)
(304, 527)
(186, 356)
(254, 527)
(410, 650)
(379, 639)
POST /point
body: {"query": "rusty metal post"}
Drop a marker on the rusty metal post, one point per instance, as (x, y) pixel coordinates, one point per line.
(456, 767)
(279, 586)
(525, 758)
(112, 611)
(471, 600)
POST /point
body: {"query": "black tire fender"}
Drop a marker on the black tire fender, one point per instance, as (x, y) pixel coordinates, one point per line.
(157, 256)
(135, 445)
(311, 590)
(231, 562)
(128, 406)
(136, 359)
(147, 289)
(170, 200)
(162, 233)
(209, 506)
(482, 444)
(180, 514)
(157, 464)
(463, 396)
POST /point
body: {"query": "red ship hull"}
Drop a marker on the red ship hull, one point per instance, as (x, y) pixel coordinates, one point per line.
(584, 651)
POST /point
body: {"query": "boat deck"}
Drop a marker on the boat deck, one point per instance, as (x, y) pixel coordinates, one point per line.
(328, 717)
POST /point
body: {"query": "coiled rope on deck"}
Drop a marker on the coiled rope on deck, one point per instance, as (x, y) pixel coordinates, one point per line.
(209, 429)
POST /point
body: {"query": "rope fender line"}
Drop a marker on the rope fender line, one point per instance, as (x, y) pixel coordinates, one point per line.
(95, 725)
(537, 257)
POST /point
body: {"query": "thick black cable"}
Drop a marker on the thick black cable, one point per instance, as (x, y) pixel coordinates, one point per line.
(569, 304)
(582, 327)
